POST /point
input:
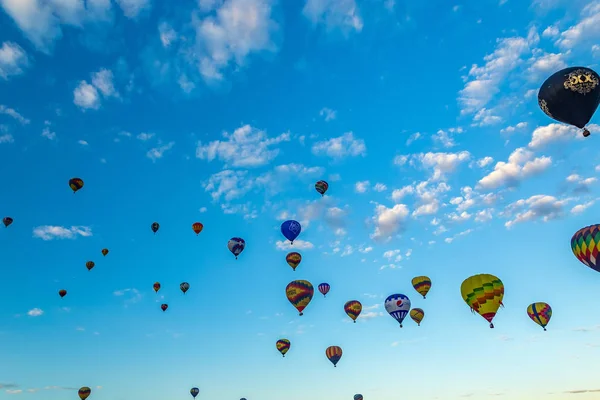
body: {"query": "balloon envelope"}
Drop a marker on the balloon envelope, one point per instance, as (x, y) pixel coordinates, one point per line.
(236, 245)
(417, 314)
(194, 392)
(483, 293)
(75, 184)
(321, 187)
(397, 305)
(585, 244)
(7, 221)
(422, 284)
(299, 293)
(353, 309)
(540, 313)
(324, 288)
(291, 229)
(84, 392)
(334, 354)
(293, 259)
(283, 345)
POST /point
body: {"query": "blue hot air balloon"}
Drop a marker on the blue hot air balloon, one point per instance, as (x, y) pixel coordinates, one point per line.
(397, 305)
(291, 229)
(194, 392)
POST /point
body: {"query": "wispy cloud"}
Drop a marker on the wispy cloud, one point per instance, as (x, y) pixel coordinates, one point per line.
(50, 232)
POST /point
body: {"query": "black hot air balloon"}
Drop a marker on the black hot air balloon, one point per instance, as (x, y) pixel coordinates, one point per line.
(7, 221)
(571, 96)
(154, 227)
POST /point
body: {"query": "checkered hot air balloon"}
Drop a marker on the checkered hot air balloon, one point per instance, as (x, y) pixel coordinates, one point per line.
(540, 313)
(585, 244)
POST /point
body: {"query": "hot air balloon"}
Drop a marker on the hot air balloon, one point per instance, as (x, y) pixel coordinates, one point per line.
(62, 293)
(104, 252)
(321, 187)
(154, 227)
(194, 392)
(334, 353)
(84, 392)
(75, 184)
(483, 293)
(324, 288)
(397, 305)
(353, 309)
(164, 307)
(417, 315)
(197, 227)
(571, 95)
(299, 293)
(540, 313)
(184, 286)
(283, 345)
(236, 245)
(291, 229)
(422, 284)
(7, 221)
(585, 244)
(358, 397)
(293, 259)
(89, 265)
(156, 286)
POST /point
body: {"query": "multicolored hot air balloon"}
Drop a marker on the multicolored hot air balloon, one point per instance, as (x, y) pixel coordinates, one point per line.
(197, 227)
(156, 286)
(75, 184)
(358, 397)
(7, 221)
(299, 293)
(62, 293)
(184, 286)
(585, 244)
(283, 345)
(84, 392)
(417, 315)
(571, 96)
(291, 229)
(422, 284)
(334, 353)
(236, 245)
(397, 305)
(540, 313)
(293, 259)
(154, 227)
(89, 265)
(104, 252)
(483, 293)
(324, 288)
(353, 309)
(321, 187)
(164, 307)
(194, 392)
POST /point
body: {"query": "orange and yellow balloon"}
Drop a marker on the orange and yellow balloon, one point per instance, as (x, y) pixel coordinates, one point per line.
(293, 259)
(334, 354)
(417, 315)
(540, 313)
(75, 184)
(422, 284)
(156, 286)
(353, 309)
(483, 293)
(300, 293)
(197, 227)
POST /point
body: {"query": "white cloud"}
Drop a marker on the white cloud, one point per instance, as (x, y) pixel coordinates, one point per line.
(167, 34)
(7, 138)
(388, 221)
(49, 232)
(545, 64)
(550, 32)
(538, 207)
(544, 135)
(485, 117)
(445, 138)
(132, 8)
(580, 208)
(245, 147)
(35, 312)
(333, 14)
(13, 60)
(483, 82)
(158, 152)
(587, 30)
(48, 134)
(596, 50)
(340, 147)
(14, 114)
(86, 96)
(237, 28)
(442, 164)
(132, 295)
(203, 209)
(103, 81)
(328, 114)
(511, 129)
(83, 142)
(298, 245)
(484, 162)
(413, 138)
(379, 187)
(520, 165)
(145, 136)
(361, 187)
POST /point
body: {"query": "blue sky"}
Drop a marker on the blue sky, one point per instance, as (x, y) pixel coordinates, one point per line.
(423, 119)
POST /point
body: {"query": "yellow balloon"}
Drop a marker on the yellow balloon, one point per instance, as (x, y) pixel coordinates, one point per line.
(417, 315)
(483, 293)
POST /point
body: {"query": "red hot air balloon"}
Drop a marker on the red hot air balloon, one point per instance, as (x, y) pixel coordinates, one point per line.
(164, 307)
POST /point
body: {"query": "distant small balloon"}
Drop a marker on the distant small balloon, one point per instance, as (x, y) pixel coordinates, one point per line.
(62, 293)
(293, 259)
(104, 252)
(84, 392)
(194, 392)
(358, 397)
(197, 227)
(184, 286)
(89, 265)
(156, 286)
(75, 184)
(334, 354)
(321, 187)
(7, 221)
(155, 226)
(291, 229)
(417, 314)
(353, 308)
(236, 245)
(324, 288)
(540, 313)
(283, 345)
(397, 305)
(164, 307)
